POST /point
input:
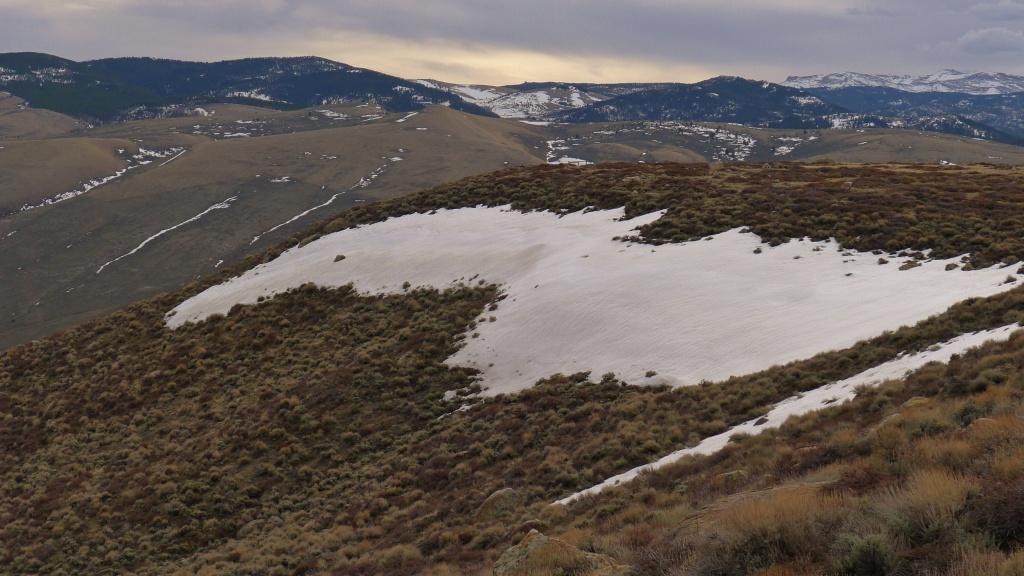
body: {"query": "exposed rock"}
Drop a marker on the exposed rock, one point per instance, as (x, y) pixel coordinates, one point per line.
(915, 402)
(890, 420)
(540, 555)
(531, 525)
(730, 480)
(499, 503)
(981, 422)
(249, 528)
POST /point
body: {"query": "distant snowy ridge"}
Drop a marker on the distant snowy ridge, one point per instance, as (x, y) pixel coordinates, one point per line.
(979, 83)
(526, 101)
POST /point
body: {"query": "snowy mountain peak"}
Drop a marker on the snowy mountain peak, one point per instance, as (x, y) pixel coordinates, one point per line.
(948, 80)
(534, 100)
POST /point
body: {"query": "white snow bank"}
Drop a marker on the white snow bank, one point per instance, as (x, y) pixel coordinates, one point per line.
(579, 301)
(476, 95)
(254, 94)
(571, 160)
(332, 114)
(836, 392)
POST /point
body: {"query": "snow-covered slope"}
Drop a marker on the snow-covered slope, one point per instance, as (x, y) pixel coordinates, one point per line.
(476, 93)
(944, 81)
(578, 301)
(540, 102)
(533, 101)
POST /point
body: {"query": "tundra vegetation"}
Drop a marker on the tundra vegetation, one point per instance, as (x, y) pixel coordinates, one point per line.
(311, 433)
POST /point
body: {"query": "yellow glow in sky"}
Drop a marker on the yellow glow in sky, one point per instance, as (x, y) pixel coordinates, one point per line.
(487, 65)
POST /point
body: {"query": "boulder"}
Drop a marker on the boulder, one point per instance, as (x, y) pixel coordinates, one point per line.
(540, 555)
(499, 504)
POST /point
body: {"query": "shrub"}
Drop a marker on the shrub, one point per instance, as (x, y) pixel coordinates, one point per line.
(870, 555)
(927, 505)
(999, 512)
(759, 530)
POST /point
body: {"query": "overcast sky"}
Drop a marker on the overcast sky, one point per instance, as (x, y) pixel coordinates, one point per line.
(509, 41)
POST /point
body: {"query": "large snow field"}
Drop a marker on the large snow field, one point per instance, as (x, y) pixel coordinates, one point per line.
(830, 394)
(577, 300)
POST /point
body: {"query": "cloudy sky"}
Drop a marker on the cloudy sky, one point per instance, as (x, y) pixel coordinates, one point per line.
(490, 41)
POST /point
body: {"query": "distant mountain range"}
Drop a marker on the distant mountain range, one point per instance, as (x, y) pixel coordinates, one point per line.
(978, 83)
(127, 88)
(538, 99)
(974, 105)
(723, 99)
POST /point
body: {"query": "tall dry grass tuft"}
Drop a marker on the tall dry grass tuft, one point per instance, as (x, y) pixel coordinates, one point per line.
(1008, 466)
(989, 564)
(954, 453)
(995, 432)
(927, 503)
(779, 509)
(779, 527)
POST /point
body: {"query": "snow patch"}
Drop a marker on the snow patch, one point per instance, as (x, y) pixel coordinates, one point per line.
(252, 94)
(571, 160)
(579, 301)
(331, 114)
(476, 94)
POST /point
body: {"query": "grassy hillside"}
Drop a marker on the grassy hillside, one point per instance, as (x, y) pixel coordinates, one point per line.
(24, 179)
(49, 263)
(18, 121)
(311, 434)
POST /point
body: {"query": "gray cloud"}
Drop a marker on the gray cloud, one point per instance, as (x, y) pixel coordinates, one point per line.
(532, 39)
(1002, 10)
(988, 41)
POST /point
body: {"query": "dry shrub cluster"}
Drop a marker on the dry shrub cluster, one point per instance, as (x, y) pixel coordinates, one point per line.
(928, 485)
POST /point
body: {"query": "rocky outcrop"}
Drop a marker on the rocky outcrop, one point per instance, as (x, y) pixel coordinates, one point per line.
(540, 555)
